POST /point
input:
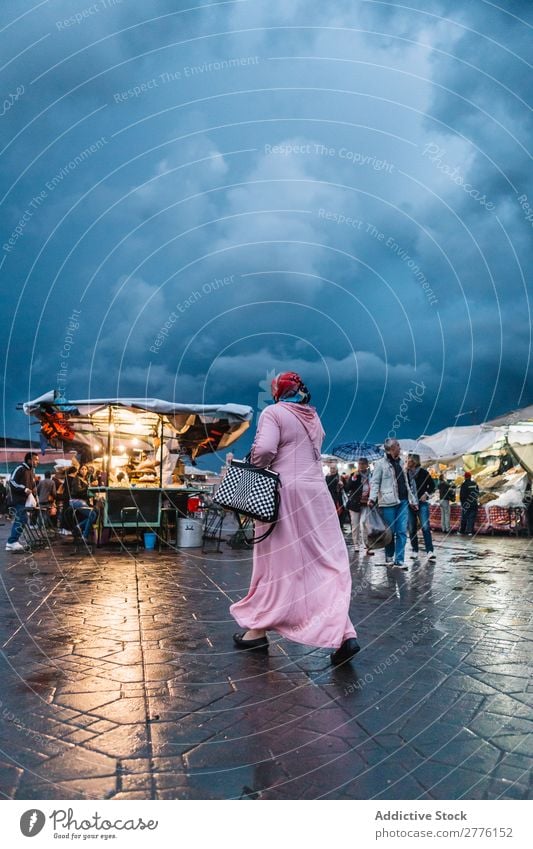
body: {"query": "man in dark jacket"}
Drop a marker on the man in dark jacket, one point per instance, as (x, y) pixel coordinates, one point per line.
(468, 495)
(423, 486)
(334, 485)
(21, 484)
(3, 498)
(446, 496)
(46, 490)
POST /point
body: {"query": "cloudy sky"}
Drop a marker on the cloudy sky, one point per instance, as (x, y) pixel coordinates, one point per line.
(197, 195)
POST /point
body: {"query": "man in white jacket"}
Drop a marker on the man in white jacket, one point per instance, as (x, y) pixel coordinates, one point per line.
(390, 488)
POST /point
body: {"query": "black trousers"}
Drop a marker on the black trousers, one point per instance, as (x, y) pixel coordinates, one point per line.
(468, 518)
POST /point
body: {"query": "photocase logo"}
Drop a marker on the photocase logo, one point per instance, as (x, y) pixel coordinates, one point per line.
(32, 822)
(264, 396)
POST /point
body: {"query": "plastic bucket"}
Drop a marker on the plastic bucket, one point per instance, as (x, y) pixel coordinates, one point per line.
(193, 503)
(149, 541)
(190, 532)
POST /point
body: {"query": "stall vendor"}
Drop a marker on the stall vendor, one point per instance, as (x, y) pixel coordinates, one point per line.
(153, 462)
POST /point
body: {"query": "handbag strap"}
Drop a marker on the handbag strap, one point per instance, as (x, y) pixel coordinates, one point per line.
(255, 540)
(248, 458)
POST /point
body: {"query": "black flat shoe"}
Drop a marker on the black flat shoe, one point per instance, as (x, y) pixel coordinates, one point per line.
(260, 643)
(345, 653)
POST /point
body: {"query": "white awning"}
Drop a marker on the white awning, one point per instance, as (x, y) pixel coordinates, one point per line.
(199, 428)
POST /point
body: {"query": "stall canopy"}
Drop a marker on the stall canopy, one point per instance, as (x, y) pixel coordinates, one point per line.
(515, 429)
(453, 442)
(418, 446)
(87, 424)
(515, 417)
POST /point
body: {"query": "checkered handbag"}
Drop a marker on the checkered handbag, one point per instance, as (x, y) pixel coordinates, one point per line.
(250, 491)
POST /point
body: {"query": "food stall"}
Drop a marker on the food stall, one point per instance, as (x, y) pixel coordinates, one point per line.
(498, 454)
(135, 449)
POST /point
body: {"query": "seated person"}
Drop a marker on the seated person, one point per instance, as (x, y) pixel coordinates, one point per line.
(75, 497)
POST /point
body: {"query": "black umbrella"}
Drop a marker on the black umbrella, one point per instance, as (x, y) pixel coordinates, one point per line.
(358, 451)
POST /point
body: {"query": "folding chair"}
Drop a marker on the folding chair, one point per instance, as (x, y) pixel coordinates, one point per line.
(213, 522)
(130, 515)
(169, 516)
(241, 538)
(44, 521)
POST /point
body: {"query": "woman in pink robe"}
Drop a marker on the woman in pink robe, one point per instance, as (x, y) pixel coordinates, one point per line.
(301, 582)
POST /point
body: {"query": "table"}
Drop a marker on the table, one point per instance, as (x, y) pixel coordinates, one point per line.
(121, 504)
(488, 519)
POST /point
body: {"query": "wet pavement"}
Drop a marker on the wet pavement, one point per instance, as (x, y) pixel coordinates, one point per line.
(119, 680)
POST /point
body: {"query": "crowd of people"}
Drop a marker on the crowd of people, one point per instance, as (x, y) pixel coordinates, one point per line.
(402, 493)
(59, 501)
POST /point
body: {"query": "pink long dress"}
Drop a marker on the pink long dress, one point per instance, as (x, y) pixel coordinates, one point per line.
(301, 582)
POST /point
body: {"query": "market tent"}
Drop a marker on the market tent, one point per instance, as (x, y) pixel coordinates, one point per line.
(199, 428)
(515, 417)
(453, 442)
(524, 454)
(420, 447)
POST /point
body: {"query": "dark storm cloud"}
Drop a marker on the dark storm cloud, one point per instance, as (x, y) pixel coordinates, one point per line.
(242, 187)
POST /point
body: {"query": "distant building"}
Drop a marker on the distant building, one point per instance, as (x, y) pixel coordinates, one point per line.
(12, 451)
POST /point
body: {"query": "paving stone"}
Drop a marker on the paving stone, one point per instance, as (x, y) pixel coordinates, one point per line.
(76, 763)
(183, 793)
(80, 736)
(131, 795)
(137, 781)
(365, 787)
(133, 674)
(34, 789)
(9, 779)
(88, 701)
(134, 765)
(90, 684)
(508, 706)
(90, 788)
(122, 711)
(504, 789)
(445, 782)
(520, 744)
(122, 742)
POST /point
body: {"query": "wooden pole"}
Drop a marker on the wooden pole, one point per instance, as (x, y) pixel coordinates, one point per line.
(108, 462)
(161, 455)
